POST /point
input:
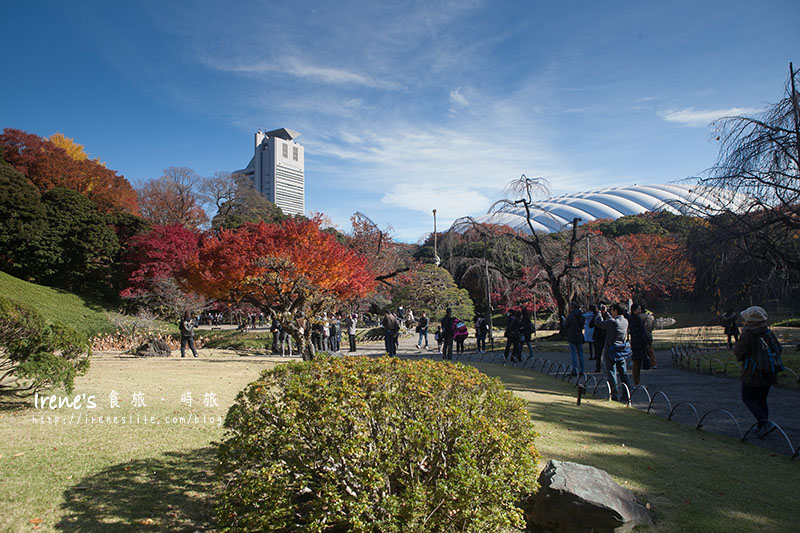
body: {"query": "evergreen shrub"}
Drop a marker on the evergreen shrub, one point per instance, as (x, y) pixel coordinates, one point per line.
(36, 356)
(362, 444)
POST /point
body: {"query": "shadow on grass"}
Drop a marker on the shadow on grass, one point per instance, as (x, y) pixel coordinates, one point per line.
(167, 493)
(691, 477)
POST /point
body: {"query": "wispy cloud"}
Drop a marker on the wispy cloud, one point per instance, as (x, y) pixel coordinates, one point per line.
(703, 117)
(296, 67)
(458, 99)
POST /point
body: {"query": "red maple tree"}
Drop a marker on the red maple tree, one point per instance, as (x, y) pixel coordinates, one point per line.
(294, 268)
(162, 252)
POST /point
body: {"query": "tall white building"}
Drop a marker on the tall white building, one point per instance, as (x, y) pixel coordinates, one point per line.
(277, 169)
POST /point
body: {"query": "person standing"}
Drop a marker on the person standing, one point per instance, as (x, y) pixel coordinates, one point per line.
(481, 330)
(447, 334)
(512, 335)
(422, 329)
(390, 329)
(640, 340)
(598, 337)
(616, 347)
(460, 334)
(526, 329)
(588, 330)
(351, 322)
(573, 326)
(649, 323)
(756, 383)
(286, 342)
(186, 326)
(275, 329)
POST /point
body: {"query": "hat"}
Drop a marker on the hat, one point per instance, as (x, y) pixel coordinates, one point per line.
(754, 314)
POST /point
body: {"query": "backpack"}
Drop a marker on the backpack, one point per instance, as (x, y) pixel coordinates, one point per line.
(767, 356)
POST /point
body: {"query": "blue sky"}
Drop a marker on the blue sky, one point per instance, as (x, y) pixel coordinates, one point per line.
(404, 106)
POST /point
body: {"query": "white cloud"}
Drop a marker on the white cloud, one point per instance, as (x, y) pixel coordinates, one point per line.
(296, 67)
(703, 117)
(458, 99)
(450, 201)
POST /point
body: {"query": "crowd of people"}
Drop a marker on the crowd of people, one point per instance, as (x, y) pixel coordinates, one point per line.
(617, 338)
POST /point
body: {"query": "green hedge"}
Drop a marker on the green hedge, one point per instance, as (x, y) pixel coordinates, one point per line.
(362, 444)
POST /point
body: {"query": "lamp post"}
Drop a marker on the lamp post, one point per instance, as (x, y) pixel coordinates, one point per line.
(435, 252)
(575, 222)
(589, 268)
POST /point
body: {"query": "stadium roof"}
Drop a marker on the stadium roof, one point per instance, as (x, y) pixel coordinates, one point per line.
(556, 214)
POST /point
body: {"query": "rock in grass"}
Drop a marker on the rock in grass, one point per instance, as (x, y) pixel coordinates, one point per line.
(575, 497)
(154, 348)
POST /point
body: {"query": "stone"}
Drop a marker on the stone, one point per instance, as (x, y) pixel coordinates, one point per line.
(154, 348)
(574, 497)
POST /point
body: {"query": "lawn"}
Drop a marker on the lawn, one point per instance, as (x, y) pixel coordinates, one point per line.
(159, 476)
(55, 305)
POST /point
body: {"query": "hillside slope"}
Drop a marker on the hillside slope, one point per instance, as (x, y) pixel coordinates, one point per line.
(57, 305)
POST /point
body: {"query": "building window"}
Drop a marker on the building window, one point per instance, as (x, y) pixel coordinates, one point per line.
(294, 153)
(285, 150)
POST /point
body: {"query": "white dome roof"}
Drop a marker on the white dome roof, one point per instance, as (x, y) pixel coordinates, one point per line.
(555, 214)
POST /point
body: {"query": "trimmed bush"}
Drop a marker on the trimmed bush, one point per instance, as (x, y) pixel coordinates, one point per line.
(34, 355)
(361, 444)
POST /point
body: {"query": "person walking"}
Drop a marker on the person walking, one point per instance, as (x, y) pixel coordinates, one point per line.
(730, 327)
(755, 382)
(616, 347)
(573, 326)
(447, 334)
(640, 340)
(422, 329)
(390, 329)
(186, 326)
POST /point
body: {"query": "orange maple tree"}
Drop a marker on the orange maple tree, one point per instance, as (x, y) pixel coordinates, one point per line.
(293, 268)
(48, 165)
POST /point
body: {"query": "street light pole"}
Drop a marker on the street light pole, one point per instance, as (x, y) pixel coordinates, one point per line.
(435, 252)
(589, 269)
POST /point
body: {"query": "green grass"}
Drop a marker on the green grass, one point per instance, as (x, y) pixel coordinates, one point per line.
(159, 477)
(693, 480)
(252, 341)
(86, 316)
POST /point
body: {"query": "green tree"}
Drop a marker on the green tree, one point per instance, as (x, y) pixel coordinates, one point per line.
(237, 202)
(432, 289)
(21, 219)
(77, 246)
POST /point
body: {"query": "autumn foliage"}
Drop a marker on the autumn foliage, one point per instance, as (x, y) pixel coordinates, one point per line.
(48, 165)
(290, 267)
(158, 254)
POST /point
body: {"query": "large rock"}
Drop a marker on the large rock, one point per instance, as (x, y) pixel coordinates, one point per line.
(154, 348)
(575, 497)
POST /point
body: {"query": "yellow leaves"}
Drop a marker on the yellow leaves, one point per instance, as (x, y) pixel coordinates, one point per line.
(73, 149)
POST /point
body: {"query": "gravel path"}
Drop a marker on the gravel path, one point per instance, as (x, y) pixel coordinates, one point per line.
(705, 392)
